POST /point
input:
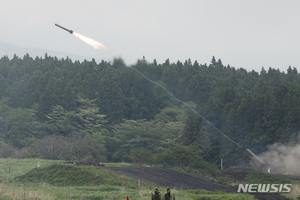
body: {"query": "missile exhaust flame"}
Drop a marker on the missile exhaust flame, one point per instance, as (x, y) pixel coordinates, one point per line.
(87, 40)
(95, 44)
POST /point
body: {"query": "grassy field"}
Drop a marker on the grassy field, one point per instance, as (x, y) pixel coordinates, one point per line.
(46, 192)
(22, 179)
(10, 168)
(256, 177)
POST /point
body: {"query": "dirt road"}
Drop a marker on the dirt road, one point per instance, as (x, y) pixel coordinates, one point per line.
(169, 178)
(178, 180)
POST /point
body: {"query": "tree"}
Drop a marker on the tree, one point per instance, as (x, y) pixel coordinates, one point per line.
(167, 62)
(136, 134)
(3, 85)
(213, 61)
(191, 130)
(76, 147)
(86, 118)
(61, 122)
(6, 150)
(5, 117)
(49, 147)
(89, 149)
(48, 99)
(181, 156)
(82, 147)
(22, 129)
(141, 156)
(89, 118)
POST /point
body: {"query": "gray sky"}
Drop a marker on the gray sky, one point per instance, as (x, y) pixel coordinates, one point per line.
(248, 34)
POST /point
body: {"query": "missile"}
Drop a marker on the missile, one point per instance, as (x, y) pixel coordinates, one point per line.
(70, 31)
(255, 156)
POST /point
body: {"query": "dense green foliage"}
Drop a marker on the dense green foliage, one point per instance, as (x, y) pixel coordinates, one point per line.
(132, 117)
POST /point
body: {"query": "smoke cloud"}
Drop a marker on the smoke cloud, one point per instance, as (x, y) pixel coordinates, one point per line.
(282, 158)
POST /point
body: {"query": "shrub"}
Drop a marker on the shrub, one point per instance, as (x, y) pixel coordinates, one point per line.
(79, 147)
(6, 150)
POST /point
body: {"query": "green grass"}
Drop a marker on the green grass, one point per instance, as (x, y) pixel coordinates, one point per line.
(10, 168)
(208, 195)
(72, 175)
(110, 193)
(22, 179)
(256, 178)
(69, 192)
(117, 164)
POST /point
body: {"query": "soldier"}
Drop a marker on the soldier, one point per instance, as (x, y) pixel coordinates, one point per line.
(168, 195)
(156, 195)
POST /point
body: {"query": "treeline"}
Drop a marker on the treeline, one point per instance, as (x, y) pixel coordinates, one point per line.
(126, 114)
(49, 82)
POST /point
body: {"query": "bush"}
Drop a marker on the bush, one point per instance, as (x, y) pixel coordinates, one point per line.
(6, 150)
(88, 149)
(79, 147)
(22, 153)
(141, 156)
(182, 156)
(49, 147)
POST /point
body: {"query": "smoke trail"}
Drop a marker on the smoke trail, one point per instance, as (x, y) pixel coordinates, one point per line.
(98, 45)
(283, 158)
(90, 41)
(188, 107)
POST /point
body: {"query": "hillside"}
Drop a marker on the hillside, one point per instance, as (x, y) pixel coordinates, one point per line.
(54, 180)
(70, 102)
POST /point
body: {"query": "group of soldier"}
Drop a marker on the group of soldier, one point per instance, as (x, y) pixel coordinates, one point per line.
(167, 196)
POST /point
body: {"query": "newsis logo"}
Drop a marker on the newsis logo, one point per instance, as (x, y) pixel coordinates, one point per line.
(264, 188)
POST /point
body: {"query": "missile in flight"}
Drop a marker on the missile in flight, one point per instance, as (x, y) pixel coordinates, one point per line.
(70, 31)
(255, 156)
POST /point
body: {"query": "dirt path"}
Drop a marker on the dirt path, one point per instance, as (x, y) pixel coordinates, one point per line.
(169, 178)
(179, 180)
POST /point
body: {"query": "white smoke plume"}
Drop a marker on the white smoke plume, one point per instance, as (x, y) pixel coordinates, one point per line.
(282, 158)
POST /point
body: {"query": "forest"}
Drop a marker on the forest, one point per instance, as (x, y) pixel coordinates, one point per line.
(62, 109)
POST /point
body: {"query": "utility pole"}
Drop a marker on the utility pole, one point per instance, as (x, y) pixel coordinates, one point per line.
(221, 164)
